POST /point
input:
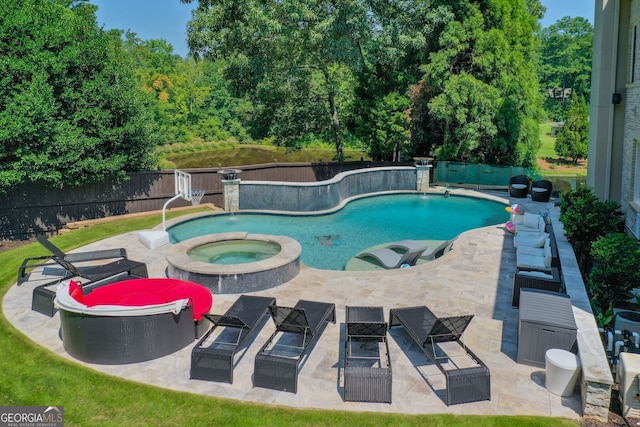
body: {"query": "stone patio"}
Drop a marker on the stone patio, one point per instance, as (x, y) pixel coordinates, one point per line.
(474, 277)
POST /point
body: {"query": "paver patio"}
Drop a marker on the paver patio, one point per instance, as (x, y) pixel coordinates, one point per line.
(476, 277)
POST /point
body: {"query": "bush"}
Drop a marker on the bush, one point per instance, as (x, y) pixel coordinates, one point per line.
(585, 220)
(616, 258)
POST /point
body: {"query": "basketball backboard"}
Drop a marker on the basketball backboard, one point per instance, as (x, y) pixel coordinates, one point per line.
(183, 184)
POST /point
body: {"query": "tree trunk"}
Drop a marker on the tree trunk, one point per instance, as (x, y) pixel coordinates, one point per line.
(335, 119)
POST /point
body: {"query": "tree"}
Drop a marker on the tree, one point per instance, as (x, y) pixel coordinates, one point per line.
(565, 60)
(386, 131)
(71, 109)
(480, 83)
(573, 140)
(280, 44)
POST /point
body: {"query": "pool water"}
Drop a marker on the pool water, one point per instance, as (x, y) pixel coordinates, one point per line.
(234, 251)
(330, 241)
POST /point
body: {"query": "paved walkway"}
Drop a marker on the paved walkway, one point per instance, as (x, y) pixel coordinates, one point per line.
(474, 277)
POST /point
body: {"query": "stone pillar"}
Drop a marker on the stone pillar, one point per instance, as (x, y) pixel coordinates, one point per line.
(422, 178)
(231, 195)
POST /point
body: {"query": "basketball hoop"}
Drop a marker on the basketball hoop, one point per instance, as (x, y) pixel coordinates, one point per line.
(196, 196)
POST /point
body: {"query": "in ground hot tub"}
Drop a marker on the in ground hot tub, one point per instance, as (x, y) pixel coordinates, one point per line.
(234, 263)
(234, 251)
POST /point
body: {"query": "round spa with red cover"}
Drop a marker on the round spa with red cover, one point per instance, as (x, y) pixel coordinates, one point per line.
(131, 321)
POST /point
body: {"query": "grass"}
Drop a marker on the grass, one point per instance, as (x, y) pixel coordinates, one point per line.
(548, 153)
(32, 375)
(547, 149)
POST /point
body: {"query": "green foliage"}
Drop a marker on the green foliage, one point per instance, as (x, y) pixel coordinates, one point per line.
(71, 111)
(604, 317)
(565, 62)
(616, 258)
(573, 140)
(385, 131)
(468, 108)
(286, 57)
(480, 83)
(586, 219)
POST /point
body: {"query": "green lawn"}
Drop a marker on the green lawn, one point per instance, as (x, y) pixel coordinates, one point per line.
(548, 141)
(547, 152)
(31, 375)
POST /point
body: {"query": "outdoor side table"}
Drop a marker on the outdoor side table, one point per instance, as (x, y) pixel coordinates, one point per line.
(366, 366)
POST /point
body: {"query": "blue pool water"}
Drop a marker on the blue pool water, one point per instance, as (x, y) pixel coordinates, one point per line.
(330, 241)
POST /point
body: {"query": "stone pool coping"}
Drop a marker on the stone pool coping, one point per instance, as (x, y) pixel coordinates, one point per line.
(235, 278)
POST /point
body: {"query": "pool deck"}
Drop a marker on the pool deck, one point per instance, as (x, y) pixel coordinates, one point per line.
(476, 276)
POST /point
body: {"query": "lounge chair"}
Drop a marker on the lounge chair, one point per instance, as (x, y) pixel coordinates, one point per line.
(42, 298)
(414, 247)
(438, 251)
(463, 384)
(214, 360)
(297, 330)
(367, 364)
(389, 258)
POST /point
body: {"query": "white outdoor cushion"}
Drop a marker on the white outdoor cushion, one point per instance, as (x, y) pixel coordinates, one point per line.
(539, 190)
(535, 240)
(534, 251)
(517, 219)
(534, 234)
(531, 220)
(538, 274)
(547, 256)
(534, 262)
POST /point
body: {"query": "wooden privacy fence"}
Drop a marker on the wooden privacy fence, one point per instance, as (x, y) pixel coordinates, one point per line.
(34, 208)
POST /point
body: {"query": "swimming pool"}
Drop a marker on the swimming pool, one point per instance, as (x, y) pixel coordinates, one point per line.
(330, 241)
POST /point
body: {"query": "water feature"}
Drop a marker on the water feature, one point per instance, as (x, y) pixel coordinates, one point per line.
(330, 241)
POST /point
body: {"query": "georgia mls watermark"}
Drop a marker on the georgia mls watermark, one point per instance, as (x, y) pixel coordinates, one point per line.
(31, 416)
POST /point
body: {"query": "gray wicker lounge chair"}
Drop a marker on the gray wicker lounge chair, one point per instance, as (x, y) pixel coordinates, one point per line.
(463, 384)
(297, 330)
(214, 360)
(42, 297)
(366, 365)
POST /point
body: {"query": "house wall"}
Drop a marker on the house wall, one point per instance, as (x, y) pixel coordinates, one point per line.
(605, 117)
(614, 134)
(630, 182)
